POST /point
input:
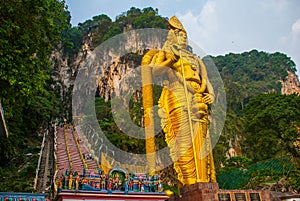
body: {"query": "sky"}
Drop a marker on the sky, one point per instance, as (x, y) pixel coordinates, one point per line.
(218, 27)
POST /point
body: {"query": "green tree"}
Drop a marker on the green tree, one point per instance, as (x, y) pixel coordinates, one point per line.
(237, 162)
(271, 123)
(29, 31)
(248, 74)
(245, 76)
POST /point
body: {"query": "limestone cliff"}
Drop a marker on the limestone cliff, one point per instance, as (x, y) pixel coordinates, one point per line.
(114, 65)
(290, 84)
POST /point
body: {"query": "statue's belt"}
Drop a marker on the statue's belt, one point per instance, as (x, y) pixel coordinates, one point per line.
(192, 85)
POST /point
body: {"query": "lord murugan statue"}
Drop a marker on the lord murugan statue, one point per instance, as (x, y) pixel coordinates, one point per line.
(183, 106)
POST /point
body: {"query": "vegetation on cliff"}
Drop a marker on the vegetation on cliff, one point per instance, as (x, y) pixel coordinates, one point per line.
(261, 123)
(29, 30)
(101, 27)
(245, 76)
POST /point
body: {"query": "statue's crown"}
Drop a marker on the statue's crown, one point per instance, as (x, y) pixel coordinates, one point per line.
(174, 22)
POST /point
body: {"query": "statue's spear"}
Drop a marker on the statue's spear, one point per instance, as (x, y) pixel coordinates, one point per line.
(189, 112)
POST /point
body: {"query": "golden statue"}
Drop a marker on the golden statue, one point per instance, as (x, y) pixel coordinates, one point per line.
(183, 106)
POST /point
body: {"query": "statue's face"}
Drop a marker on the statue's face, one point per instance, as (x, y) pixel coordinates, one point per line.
(177, 37)
(182, 39)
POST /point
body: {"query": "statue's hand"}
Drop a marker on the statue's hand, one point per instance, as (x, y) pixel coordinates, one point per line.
(166, 59)
(208, 98)
(199, 107)
(172, 57)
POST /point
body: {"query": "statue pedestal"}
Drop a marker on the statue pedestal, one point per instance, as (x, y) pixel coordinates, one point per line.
(199, 192)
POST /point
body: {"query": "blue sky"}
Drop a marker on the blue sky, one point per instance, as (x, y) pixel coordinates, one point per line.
(217, 26)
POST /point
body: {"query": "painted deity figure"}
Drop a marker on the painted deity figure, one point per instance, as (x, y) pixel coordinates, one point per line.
(84, 181)
(61, 181)
(184, 105)
(159, 186)
(130, 184)
(98, 184)
(116, 182)
(103, 180)
(77, 181)
(70, 184)
(66, 176)
(110, 184)
(126, 183)
(120, 183)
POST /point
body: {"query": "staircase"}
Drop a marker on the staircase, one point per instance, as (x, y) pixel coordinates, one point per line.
(62, 149)
(76, 162)
(44, 171)
(61, 152)
(90, 164)
(70, 151)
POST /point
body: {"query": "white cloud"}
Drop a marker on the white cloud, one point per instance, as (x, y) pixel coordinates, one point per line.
(202, 27)
(290, 43)
(296, 33)
(271, 26)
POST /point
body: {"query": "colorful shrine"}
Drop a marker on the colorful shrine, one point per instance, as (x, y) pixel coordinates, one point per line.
(79, 176)
(117, 180)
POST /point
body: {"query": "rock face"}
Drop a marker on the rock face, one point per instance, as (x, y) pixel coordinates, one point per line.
(291, 84)
(114, 58)
(116, 65)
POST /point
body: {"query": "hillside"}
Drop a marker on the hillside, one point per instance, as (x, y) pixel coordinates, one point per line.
(251, 79)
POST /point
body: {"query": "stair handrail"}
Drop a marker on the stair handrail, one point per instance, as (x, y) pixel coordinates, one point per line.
(85, 165)
(96, 159)
(55, 178)
(39, 162)
(67, 147)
